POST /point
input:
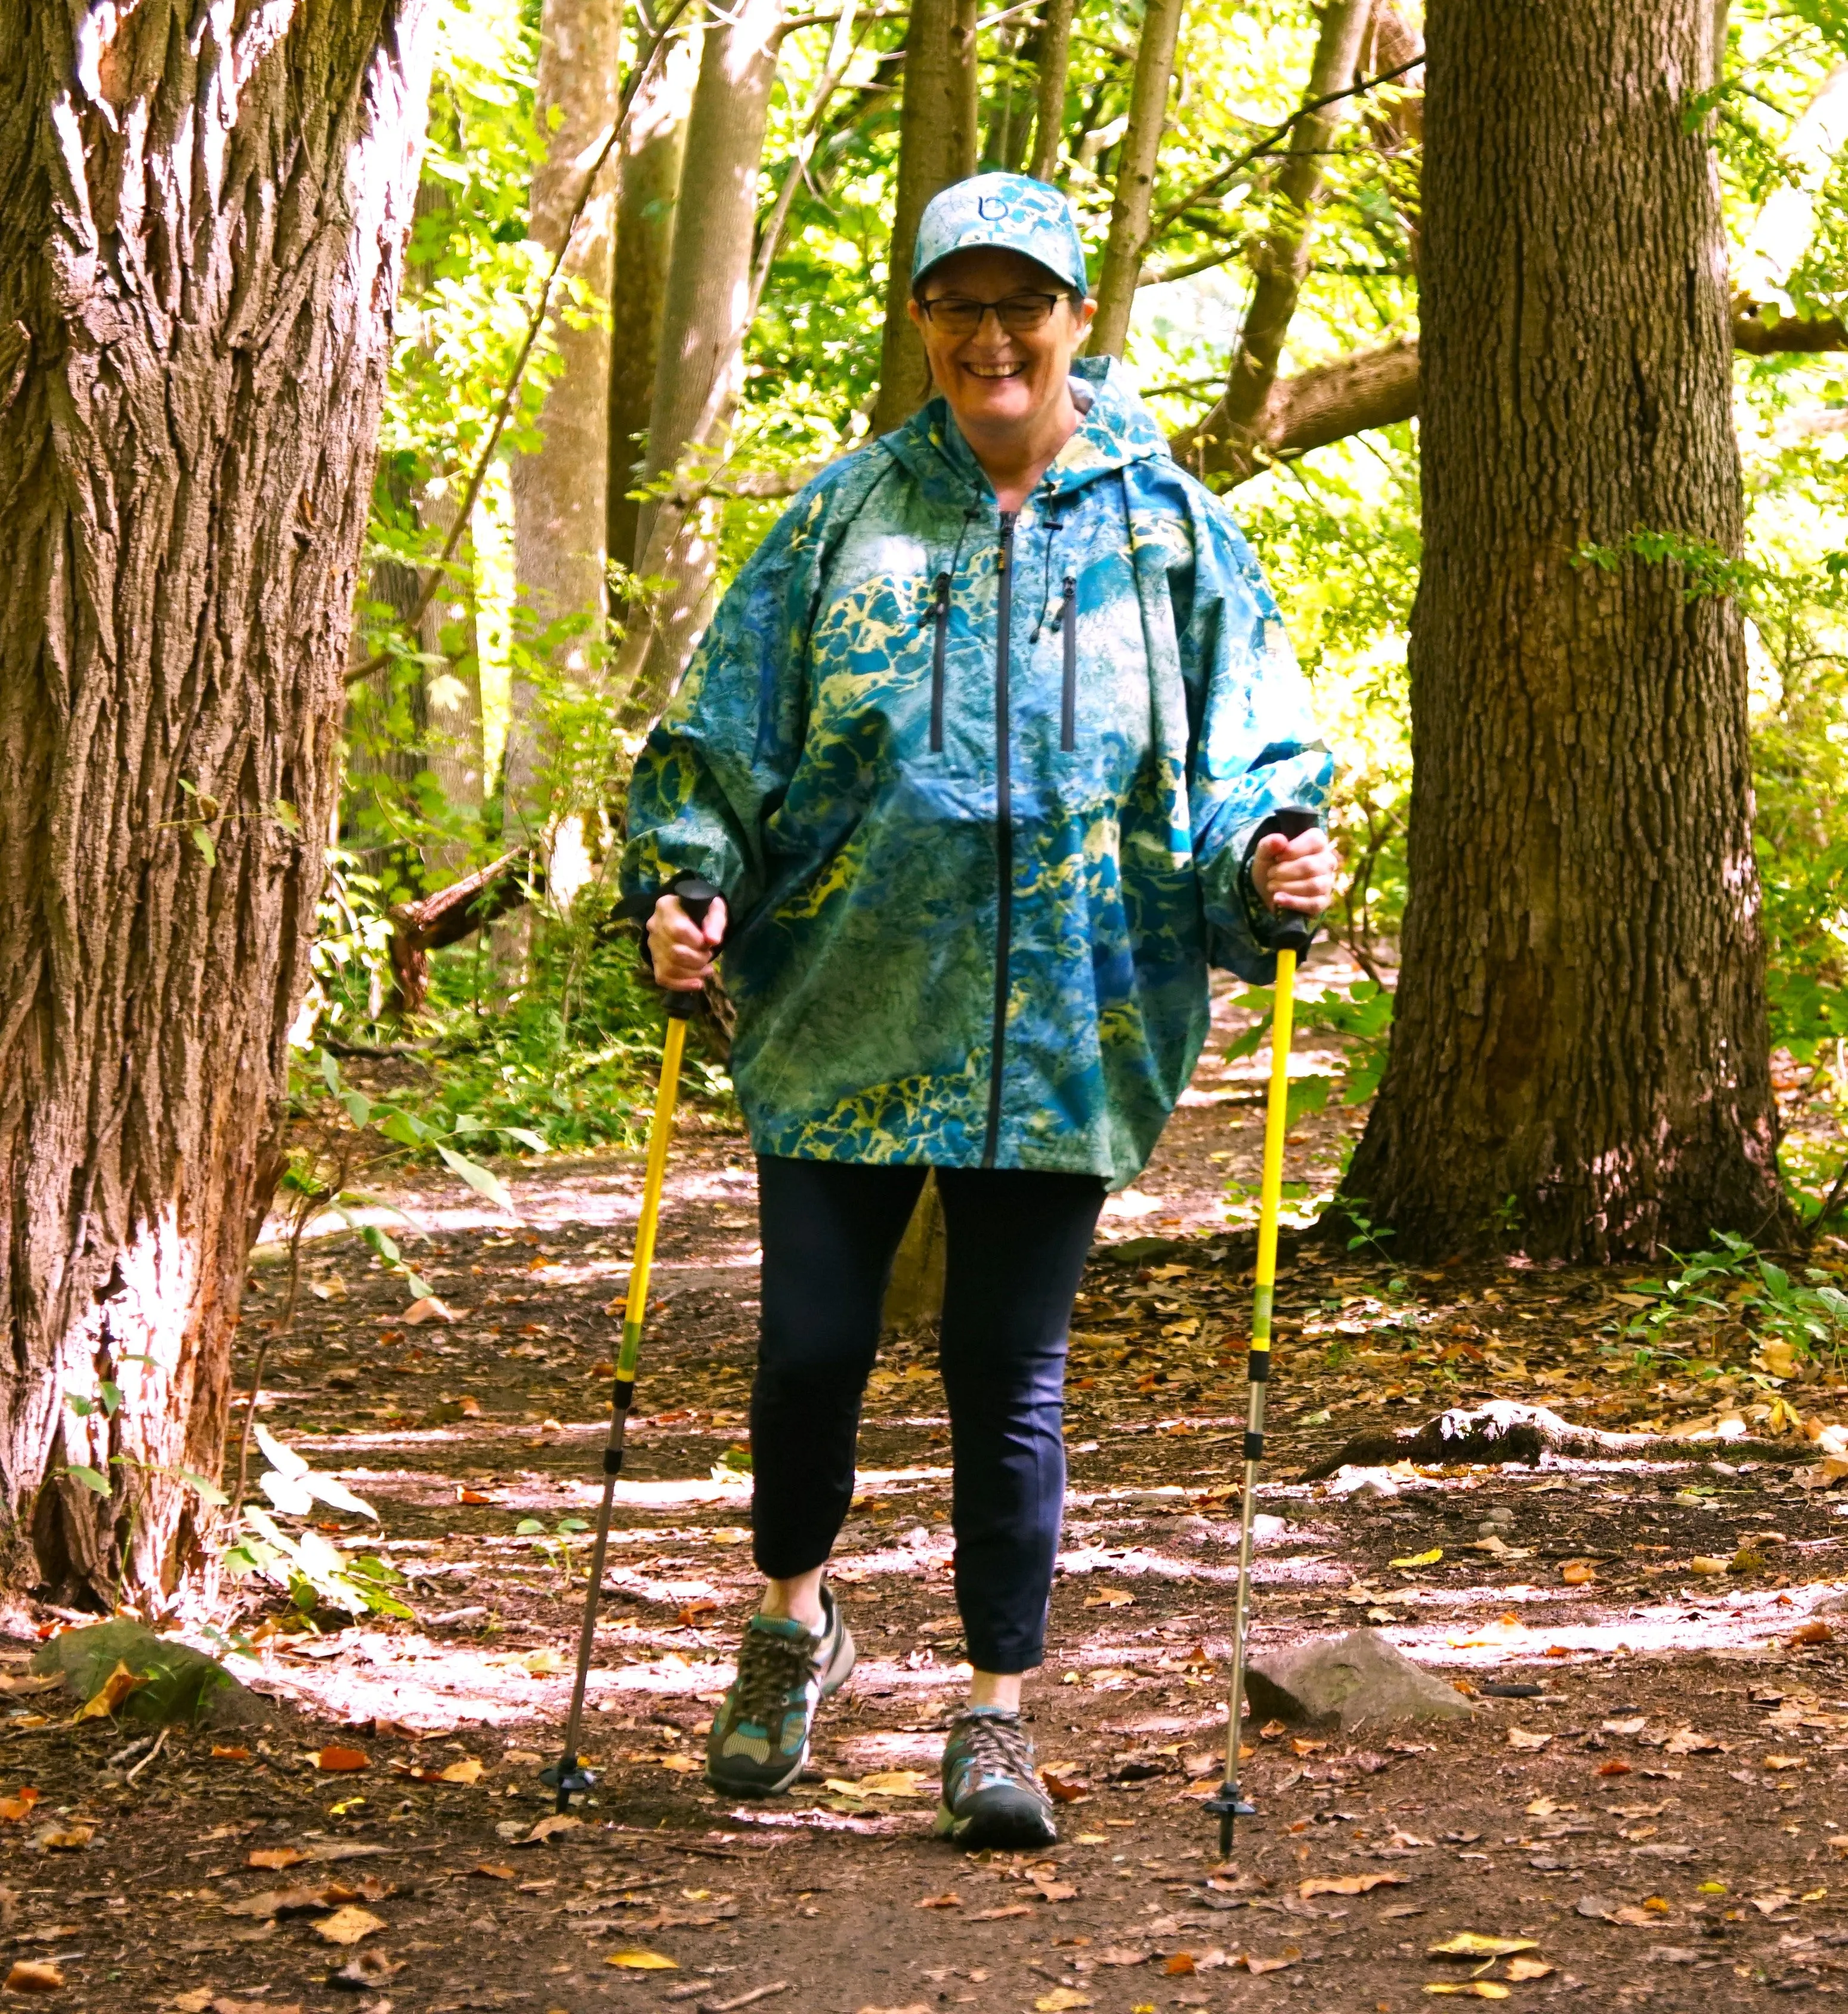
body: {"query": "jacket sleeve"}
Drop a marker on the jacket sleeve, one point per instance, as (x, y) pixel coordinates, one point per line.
(719, 761)
(1255, 747)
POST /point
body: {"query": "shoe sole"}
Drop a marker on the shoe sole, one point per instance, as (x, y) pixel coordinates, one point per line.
(839, 1670)
(1010, 1831)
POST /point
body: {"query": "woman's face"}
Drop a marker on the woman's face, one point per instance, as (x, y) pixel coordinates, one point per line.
(999, 382)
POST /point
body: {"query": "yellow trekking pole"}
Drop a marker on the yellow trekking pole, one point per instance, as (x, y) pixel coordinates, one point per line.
(1290, 942)
(568, 1776)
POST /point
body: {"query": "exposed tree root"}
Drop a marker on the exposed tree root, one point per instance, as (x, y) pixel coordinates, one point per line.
(1503, 1431)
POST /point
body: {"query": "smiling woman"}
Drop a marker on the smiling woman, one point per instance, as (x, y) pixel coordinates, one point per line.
(982, 749)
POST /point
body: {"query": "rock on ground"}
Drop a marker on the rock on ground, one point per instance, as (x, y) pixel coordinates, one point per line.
(1340, 1683)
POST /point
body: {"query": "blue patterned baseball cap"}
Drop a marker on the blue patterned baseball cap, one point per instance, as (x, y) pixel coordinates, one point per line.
(1014, 213)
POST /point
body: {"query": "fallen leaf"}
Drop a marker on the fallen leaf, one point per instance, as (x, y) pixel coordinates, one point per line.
(1055, 1891)
(229, 1752)
(494, 1870)
(473, 1497)
(35, 1976)
(1576, 1573)
(549, 1827)
(1784, 1762)
(1473, 1944)
(1060, 1998)
(1685, 1741)
(347, 1926)
(66, 1839)
(1812, 1633)
(1421, 1559)
(1061, 1790)
(1473, 1989)
(194, 2002)
(19, 1806)
(469, 1406)
(939, 1902)
(1179, 1966)
(428, 1309)
(1119, 1954)
(643, 1961)
(1634, 1725)
(274, 1857)
(1632, 1917)
(337, 1761)
(467, 1770)
(1703, 1562)
(1263, 1965)
(110, 1694)
(1528, 1968)
(1522, 1737)
(694, 1610)
(1006, 1910)
(365, 1970)
(1110, 1597)
(1348, 1884)
(894, 1783)
(1617, 1767)
(1769, 1905)
(1541, 1807)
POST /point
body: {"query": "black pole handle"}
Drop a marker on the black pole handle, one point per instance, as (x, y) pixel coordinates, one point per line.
(696, 897)
(1293, 931)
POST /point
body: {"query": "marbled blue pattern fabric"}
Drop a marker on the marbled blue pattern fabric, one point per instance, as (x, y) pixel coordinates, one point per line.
(1013, 212)
(871, 955)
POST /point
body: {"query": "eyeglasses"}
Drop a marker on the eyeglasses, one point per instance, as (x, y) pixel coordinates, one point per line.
(1019, 315)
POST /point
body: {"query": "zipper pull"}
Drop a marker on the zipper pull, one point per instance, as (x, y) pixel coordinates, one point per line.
(938, 606)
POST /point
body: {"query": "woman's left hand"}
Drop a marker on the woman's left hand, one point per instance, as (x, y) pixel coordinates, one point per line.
(1296, 873)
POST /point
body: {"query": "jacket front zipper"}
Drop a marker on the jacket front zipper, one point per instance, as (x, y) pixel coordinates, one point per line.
(936, 664)
(1068, 710)
(1003, 830)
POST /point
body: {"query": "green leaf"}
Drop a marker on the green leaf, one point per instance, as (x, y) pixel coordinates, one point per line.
(83, 1407)
(358, 1106)
(90, 1477)
(1250, 1042)
(112, 1398)
(407, 1130)
(1308, 1095)
(286, 815)
(203, 839)
(483, 1180)
(207, 1492)
(529, 1528)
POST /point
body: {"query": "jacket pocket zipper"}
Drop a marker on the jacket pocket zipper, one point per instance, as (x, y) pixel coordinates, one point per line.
(1068, 714)
(936, 664)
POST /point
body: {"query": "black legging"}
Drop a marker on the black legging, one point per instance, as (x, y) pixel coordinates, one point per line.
(1017, 1241)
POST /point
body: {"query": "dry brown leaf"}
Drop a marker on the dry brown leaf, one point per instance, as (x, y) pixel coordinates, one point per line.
(110, 1694)
(467, 1770)
(1784, 1762)
(473, 1497)
(1812, 1633)
(348, 1925)
(1063, 1791)
(1704, 1563)
(229, 1751)
(1179, 1964)
(1522, 1737)
(66, 1839)
(275, 1857)
(1632, 1918)
(19, 1806)
(1060, 1998)
(1110, 1597)
(428, 1309)
(1119, 1954)
(1006, 1910)
(1471, 1989)
(1473, 1944)
(469, 1406)
(939, 1902)
(1261, 1964)
(1055, 1891)
(1577, 1573)
(1529, 1968)
(1348, 1884)
(35, 1976)
(643, 1961)
(494, 1870)
(338, 1760)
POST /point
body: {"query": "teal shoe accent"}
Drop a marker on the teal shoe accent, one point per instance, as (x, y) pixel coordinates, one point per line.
(760, 1735)
(992, 1794)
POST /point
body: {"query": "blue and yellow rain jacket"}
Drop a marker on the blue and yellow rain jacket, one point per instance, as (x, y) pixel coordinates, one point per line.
(979, 791)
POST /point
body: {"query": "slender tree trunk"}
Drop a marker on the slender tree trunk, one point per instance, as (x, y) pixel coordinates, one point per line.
(452, 697)
(937, 146)
(1230, 432)
(1056, 66)
(649, 186)
(702, 321)
(1134, 202)
(1579, 1056)
(559, 489)
(199, 250)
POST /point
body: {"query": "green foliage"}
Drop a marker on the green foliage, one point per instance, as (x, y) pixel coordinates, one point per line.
(315, 1572)
(1729, 1287)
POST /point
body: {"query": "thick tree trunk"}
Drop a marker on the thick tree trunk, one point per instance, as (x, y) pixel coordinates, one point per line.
(1579, 1060)
(1280, 262)
(1133, 202)
(937, 146)
(703, 321)
(559, 489)
(1055, 66)
(205, 216)
(648, 187)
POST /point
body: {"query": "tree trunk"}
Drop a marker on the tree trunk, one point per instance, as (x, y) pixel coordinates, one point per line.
(199, 253)
(1055, 66)
(1579, 1055)
(559, 489)
(1134, 201)
(937, 146)
(1280, 263)
(702, 321)
(649, 188)
(453, 749)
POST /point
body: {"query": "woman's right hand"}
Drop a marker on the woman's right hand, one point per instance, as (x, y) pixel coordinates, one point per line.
(681, 950)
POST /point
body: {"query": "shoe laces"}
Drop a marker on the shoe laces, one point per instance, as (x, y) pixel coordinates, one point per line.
(996, 1742)
(771, 1666)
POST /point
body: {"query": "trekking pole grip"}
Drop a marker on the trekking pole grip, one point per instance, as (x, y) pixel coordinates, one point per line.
(696, 897)
(1293, 931)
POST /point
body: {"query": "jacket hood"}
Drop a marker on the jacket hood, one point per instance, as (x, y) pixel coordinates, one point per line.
(1115, 430)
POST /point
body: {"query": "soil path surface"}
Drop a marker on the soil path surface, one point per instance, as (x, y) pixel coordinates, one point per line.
(1656, 1817)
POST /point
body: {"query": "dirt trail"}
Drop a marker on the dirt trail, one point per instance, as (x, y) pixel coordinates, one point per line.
(1664, 1821)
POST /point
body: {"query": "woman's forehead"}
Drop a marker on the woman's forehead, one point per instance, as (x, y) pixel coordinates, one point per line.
(990, 269)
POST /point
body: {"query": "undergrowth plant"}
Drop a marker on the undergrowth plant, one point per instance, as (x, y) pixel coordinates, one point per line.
(1731, 1295)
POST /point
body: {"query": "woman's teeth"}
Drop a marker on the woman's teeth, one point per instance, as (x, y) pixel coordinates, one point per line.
(994, 370)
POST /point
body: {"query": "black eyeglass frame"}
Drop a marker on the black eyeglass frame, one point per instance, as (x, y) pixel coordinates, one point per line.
(995, 308)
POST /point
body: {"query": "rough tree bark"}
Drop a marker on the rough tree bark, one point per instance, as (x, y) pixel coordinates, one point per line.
(200, 249)
(937, 146)
(1056, 66)
(1280, 261)
(1133, 203)
(708, 291)
(559, 489)
(1579, 1054)
(649, 186)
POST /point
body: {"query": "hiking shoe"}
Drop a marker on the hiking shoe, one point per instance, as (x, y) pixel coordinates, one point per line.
(759, 1740)
(991, 1795)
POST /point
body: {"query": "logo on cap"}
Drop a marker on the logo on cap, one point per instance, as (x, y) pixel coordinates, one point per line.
(992, 209)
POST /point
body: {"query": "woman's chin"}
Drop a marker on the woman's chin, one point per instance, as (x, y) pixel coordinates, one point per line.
(995, 402)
